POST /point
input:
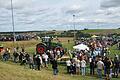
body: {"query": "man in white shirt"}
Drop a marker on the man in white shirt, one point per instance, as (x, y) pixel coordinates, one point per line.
(45, 57)
(68, 63)
(58, 53)
(100, 66)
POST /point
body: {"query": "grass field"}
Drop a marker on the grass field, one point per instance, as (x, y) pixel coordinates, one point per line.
(12, 71)
(114, 50)
(101, 31)
(28, 45)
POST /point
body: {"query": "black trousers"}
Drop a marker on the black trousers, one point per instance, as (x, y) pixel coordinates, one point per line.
(92, 70)
(38, 66)
(68, 69)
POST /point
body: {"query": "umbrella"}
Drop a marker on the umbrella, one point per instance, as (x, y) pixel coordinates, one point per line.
(81, 47)
(94, 36)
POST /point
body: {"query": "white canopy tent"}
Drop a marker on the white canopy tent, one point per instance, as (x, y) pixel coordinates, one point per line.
(81, 47)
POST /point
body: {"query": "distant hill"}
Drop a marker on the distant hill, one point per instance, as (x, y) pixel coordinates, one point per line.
(101, 31)
(55, 32)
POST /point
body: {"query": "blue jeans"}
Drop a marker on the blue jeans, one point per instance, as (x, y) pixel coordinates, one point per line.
(99, 73)
(111, 73)
(15, 60)
(105, 70)
(83, 70)
(5, 58)
(116, 72)
(55, 71)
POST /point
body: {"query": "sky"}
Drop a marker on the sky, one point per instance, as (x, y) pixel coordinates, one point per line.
(30, 15)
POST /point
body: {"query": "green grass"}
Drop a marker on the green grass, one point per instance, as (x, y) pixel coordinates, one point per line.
(11, 71)
(28, 45)
(101, 31)
(69, 45)
(65, 43)
(114, 50)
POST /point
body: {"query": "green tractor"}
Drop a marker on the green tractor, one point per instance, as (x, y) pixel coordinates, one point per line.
(47, 44)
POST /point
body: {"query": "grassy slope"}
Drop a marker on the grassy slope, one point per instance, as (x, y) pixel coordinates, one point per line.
(101, 31)
(11, 71)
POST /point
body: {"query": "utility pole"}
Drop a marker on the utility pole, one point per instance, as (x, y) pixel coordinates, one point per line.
(74, 26)
(13, 24)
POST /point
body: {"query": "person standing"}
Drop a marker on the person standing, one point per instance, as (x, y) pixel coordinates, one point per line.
(38, 61)
(83, 67)
(111, 68)
(34, 62)
(45, 57)
(92, 67)
(77, 67)
(15, 56)
(100, 66)
(116, 67)
(55, 67)
(5, 56)
(108, 63)
(105, 64)
(72, 67)
(68, 63)
(21, 57)
(30, 62)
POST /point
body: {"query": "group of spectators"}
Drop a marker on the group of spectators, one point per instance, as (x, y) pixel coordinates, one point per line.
(95, 60)
(111, 67)
(35, 61)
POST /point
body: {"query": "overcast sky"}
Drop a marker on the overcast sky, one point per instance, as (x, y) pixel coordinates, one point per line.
(58, 14)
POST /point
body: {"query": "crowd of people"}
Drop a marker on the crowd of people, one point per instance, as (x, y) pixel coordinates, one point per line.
(81, 66)
(35, 61)
(96, 59)
(19, 37)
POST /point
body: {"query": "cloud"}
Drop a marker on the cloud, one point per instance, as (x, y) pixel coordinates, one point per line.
(17, 4)
(75, 9)
(110, 3)
(57, 14)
